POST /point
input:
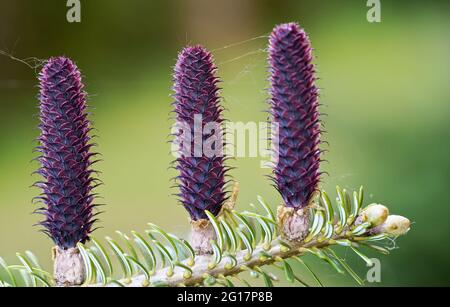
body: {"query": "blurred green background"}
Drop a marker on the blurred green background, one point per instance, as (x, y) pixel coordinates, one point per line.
(385, 90)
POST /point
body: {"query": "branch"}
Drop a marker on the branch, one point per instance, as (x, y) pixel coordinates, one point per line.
(202, 268)
(247, 241)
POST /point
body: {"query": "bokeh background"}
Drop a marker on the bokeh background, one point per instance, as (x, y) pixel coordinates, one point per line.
(385, 90)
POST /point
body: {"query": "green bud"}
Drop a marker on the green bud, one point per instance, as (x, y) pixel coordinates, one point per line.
(191, 262)
(169, 272)
(187, 274)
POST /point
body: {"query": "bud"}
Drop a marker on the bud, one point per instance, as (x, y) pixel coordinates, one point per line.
(396, 225)
(375, 214)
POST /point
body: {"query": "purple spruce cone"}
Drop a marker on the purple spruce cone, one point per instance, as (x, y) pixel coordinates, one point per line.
(65, 155)
(201, 177)
(294, 108)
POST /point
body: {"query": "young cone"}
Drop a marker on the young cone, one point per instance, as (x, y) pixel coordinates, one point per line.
(66, 161)
(200, 142)
(294, 110)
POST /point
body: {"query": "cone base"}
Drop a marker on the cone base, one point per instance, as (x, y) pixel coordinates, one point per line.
(293, 223)
(68, 267)
(202, 234)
